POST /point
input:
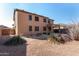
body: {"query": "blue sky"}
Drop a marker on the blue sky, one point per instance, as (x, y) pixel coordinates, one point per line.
(61, 13)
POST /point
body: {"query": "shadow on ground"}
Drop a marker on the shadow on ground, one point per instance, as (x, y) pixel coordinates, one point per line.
(19, 50)
(38, 37)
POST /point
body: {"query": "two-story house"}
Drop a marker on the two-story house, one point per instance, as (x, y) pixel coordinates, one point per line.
(27, 23)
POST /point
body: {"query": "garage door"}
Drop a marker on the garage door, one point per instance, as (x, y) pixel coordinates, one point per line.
(5, 32)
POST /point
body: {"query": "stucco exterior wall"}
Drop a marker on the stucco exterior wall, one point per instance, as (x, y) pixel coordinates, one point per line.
(22, 23)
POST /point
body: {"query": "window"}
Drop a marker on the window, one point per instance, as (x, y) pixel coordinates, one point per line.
(30, 28)
(44, 20)
(52, 21)
(30, 17)
(48, 21)
(49, 28)
(36, 18)
(36, 28)
(44, 28)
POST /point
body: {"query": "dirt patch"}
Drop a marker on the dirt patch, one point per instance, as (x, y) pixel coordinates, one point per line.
(13, 50)
(36, 47)
(19, 50)
(43, 48)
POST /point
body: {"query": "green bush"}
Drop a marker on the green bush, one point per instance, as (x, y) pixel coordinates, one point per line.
(16, 40)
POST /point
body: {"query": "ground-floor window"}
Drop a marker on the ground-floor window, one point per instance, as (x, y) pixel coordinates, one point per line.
(49, 28)
(30, 28)
(44, 28)
(36, 28)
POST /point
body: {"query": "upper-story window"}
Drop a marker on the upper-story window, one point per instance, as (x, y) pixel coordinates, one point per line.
(30, 17)
(44, 20)
(48, 21)
(36, 18)
(52, 22)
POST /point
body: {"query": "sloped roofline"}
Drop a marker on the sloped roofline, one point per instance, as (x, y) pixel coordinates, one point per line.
(4, 27)
(29, 13)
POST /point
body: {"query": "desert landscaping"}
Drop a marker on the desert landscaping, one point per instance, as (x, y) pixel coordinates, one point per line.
(37, 47)
(43, 48)
(53, 33)
(54, 44)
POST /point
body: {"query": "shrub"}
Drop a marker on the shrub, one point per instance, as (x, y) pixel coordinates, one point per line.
(56, 38)
(52, 39)
(61, 40)
(16, 40)
(74, 31)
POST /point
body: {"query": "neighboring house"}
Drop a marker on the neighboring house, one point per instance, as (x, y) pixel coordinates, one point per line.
(60, 28)
(6, 31)
(26, 23)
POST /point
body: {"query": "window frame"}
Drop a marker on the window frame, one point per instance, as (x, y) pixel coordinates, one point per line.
(36, 28)
(44, 20)
(30, 28)
(30, 17)
(36, 18)
(48, 21)
(44, 28)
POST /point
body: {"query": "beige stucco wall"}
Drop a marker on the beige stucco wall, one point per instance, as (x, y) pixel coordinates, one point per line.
(22, 23)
